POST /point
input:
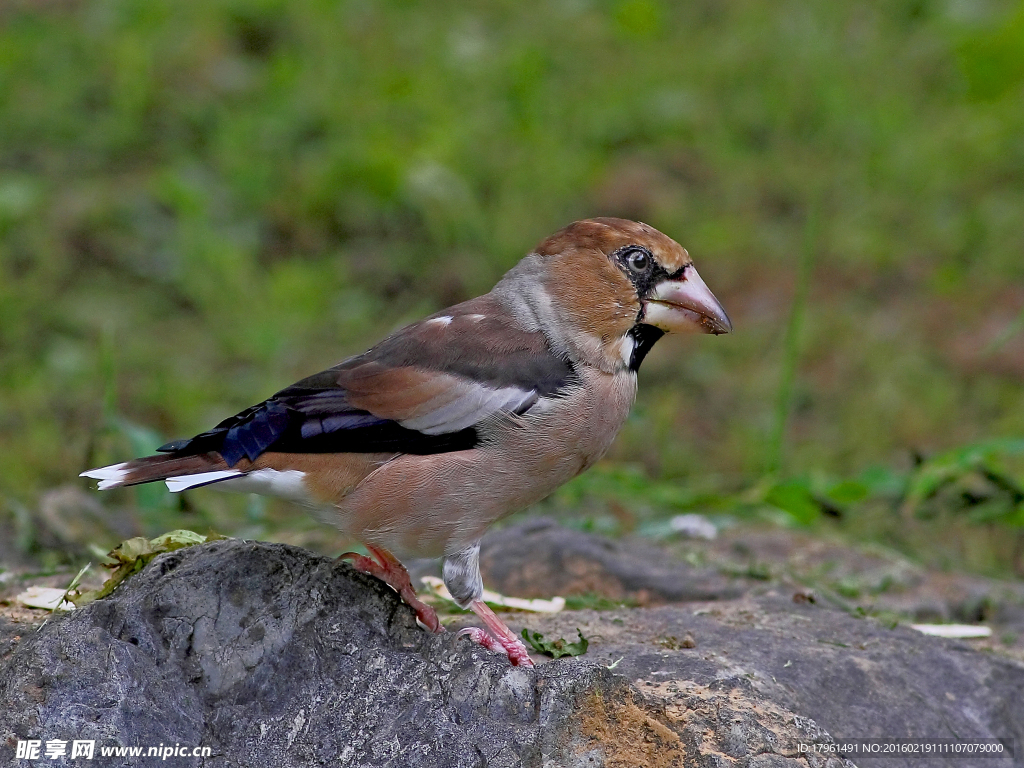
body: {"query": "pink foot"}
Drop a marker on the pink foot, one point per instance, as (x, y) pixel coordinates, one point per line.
(480, 637)
(498, 637)
(388, 569)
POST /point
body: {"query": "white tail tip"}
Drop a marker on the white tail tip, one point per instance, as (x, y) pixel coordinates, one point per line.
(109, 477)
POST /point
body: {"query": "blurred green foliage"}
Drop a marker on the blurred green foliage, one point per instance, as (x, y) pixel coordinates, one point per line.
(202, 202)
(959, 509)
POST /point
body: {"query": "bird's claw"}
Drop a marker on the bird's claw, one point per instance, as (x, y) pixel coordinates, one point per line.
(513, 648)
(388, 569)
(481, 637)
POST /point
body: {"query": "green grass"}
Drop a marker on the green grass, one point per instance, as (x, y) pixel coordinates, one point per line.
(202, 202)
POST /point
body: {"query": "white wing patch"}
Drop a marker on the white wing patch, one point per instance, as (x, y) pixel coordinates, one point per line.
(442, 321)
(282, 483)
(285, 484)
(476, 404)
(184, 482)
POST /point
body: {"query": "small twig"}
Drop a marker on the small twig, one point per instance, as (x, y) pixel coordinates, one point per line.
(63, 598)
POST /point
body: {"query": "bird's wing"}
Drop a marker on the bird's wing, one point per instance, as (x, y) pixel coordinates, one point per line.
(422, 390)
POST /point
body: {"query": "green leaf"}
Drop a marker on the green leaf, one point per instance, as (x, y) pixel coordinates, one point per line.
(1016, 518)
(180, 538)
(881, 481)
(996, 510)
(795, 498)
(556, 648)
(940, 470)
(993, 61)
(847, 492)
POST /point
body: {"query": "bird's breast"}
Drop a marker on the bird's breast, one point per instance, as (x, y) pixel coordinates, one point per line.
(427, 506)
(567, 433)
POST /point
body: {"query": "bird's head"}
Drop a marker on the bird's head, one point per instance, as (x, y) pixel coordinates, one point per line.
(616, 286)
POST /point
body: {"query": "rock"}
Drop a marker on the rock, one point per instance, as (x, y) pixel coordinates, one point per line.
(539, 558)
(65, 521)
(69, 515)
(868, 578)
(273, 656)
(855, 677)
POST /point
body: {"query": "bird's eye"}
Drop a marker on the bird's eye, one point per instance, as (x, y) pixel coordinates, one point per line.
(638, 260)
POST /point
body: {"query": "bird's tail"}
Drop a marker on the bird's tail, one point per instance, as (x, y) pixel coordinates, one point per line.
(179, 472)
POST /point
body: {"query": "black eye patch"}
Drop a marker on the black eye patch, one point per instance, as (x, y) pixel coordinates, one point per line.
(639, 265)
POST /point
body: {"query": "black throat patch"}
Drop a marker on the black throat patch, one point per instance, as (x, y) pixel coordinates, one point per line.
(644, 336)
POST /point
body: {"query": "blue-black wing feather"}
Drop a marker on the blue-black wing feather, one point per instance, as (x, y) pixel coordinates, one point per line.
(315, 416)
(283, 424)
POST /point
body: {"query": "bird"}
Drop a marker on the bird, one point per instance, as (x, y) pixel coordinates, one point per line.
(418, 445)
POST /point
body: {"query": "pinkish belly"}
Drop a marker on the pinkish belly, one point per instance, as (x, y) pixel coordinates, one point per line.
(427, 506)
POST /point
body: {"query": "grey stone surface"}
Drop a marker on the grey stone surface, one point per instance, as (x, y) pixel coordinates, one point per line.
(854, 676)
(539, 558)
(273, 656)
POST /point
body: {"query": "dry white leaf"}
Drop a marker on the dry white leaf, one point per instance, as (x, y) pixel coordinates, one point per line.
(44, 597)
(958, 631)
(554, 605)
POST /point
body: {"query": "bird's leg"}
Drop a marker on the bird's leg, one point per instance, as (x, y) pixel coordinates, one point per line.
(462, 577)
(497, 637)
(388, 569)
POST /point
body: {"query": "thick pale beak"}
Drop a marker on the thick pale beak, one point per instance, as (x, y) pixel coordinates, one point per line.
(685, 305)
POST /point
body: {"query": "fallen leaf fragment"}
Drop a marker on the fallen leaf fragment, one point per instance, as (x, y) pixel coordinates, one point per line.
(554, 605)
(50, 598)
(556, 648)
(131, 556)
(958, 631)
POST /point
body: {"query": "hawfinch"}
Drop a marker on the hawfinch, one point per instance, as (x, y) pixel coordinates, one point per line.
(418, 445)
